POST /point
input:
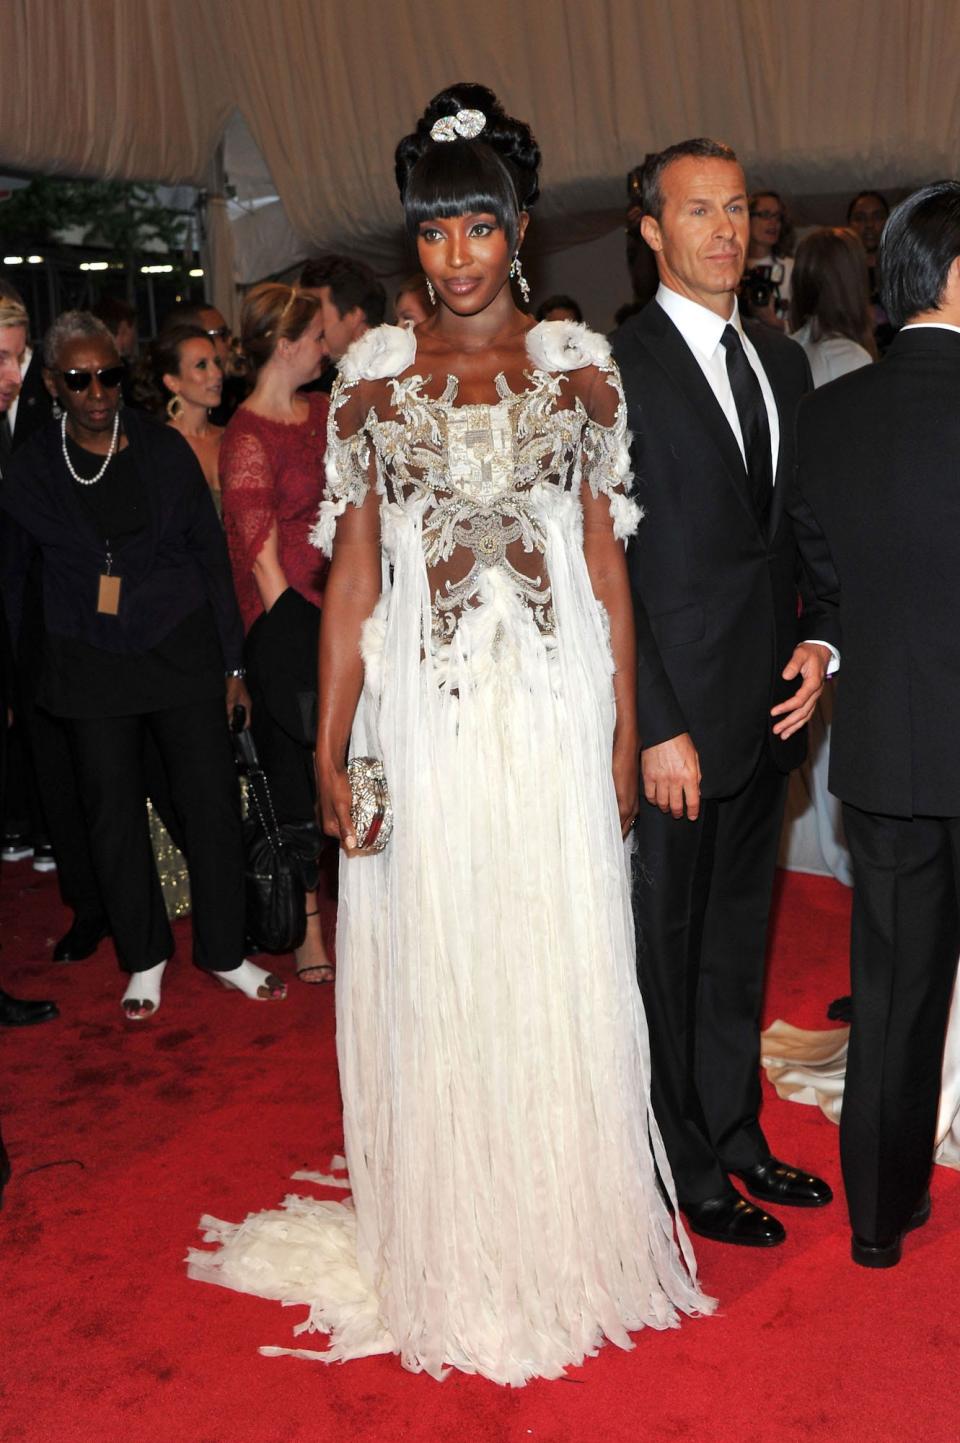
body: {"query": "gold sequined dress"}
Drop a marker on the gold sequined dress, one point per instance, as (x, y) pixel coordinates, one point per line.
(505, 1215)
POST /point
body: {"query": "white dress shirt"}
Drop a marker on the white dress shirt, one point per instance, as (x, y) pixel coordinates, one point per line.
(931, 326)
(702, 329)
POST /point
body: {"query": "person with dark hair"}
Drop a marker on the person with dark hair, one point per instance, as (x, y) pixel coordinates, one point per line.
(866, 216)
(182, 380)
(830, 304)
(120, 319)
(878, 467)
(830, 319)
(235, 383)
(509, 1185)
(412, 304)
(141, 635)
(765, 289)
(271, 469)
(728, 677)
(351, 299)
(559, 308)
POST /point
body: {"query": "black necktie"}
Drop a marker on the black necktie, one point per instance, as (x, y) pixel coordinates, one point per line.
(754, 425)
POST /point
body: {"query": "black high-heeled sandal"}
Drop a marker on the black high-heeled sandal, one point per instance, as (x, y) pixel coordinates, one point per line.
(326, 971)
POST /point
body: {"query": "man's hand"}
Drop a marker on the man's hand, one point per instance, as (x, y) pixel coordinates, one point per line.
(237, 695)
(671, 776)
(810, 661)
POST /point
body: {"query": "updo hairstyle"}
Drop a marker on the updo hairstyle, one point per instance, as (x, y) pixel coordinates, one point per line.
(496, 173)
(273, 312)
(162, 358)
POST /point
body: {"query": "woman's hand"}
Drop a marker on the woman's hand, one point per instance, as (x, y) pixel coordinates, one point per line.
(334, 800)
(626, 781)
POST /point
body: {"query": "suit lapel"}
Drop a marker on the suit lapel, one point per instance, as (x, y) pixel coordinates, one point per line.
(664, 343)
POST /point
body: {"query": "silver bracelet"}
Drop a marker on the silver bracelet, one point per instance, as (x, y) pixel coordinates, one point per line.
(240, 672)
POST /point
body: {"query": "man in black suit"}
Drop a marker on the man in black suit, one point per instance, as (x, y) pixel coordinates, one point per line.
(727, 678)
(879, 465)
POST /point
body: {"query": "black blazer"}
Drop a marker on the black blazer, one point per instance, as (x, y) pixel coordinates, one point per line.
(35, 406)
(172, 568)
(879, 464)
(717, 598)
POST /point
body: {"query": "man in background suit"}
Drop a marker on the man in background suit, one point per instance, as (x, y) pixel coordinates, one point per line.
(727, 679)
(879, 464)
(31, 408)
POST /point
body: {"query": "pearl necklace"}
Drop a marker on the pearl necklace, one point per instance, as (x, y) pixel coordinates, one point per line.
(89, 480)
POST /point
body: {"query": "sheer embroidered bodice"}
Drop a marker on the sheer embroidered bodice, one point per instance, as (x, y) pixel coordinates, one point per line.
(508, 1179)
(480, 478)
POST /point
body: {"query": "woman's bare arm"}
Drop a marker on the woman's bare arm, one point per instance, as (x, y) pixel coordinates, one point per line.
(607, 565)
(350, 595)
(267, 571)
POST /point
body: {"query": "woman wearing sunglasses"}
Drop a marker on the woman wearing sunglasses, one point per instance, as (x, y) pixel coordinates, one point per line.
(142, 635)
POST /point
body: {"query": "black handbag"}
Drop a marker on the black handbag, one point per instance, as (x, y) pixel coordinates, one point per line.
(280, 861)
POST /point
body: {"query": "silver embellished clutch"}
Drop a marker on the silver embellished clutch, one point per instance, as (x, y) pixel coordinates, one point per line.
(371, 810)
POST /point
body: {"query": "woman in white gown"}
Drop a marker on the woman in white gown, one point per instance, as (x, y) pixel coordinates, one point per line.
(503, 1157)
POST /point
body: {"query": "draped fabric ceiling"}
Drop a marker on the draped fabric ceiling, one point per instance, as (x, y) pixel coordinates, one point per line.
(817, 96)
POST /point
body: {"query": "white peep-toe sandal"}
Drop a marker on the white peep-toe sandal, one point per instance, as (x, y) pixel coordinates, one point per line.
(253, 982)
(142, 997)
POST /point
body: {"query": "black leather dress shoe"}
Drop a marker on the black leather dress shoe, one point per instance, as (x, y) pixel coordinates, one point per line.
(82, 940)
(887, 1255)
(15, 1013)
(731, 1219)
(777, 1182)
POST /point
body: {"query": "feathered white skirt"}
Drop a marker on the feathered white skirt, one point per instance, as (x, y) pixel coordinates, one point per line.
(506, 1215)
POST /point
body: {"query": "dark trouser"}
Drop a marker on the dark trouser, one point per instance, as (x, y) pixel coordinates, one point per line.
(52, 761)
(903, 958)
(701, 901)
(194, 746)
(24, 813)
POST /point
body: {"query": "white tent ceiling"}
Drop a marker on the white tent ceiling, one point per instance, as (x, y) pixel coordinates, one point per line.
(818, 96)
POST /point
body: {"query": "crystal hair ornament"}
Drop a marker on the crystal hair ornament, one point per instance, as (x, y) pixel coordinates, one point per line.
(465, 125)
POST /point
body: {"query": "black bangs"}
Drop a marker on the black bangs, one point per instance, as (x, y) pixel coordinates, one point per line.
(461, 177)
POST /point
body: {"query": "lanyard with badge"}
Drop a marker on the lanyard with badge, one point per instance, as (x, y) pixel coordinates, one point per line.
(108, 589)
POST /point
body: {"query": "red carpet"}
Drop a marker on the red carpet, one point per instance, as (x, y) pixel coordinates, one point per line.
(121, 1137)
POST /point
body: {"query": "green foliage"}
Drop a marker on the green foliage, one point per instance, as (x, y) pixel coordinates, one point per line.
(124, 216)
(38, 211)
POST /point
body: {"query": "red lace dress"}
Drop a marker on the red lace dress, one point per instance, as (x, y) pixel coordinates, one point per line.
(273, 471)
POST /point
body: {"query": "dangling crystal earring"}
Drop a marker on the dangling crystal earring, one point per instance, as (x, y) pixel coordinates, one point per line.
(516, 272)
(56, 410)
(431, 292)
